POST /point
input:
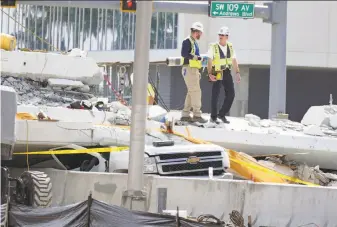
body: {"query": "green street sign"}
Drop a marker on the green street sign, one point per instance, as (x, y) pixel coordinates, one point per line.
(232, 9)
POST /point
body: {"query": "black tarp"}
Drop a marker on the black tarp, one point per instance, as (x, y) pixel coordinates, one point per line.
(94, 212)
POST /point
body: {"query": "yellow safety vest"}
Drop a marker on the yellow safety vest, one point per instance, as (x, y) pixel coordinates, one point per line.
(218, 63)
(192, 63)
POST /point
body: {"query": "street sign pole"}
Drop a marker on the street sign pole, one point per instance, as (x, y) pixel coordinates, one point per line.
(134, 197)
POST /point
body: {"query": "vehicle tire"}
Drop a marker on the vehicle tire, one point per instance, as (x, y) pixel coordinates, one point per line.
(38, 189)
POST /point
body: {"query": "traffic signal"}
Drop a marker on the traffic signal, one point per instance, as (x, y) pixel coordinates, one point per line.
(128, 6)
(8, 3)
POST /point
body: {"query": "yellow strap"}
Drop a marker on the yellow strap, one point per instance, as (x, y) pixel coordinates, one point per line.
(192, 46)
(251, 165)
(266, 170)
(188, 131)
(217, 62)
(216, 52)
(229, 60)
(79, 151)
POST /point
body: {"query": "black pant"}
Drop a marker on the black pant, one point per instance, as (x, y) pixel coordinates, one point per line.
(227, 83)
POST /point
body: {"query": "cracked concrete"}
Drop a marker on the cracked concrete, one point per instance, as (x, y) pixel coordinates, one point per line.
(30, 92)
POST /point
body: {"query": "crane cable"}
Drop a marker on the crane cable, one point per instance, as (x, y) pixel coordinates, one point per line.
(160, 98)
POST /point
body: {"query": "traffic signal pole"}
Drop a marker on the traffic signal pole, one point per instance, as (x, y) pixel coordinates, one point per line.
(134, 197)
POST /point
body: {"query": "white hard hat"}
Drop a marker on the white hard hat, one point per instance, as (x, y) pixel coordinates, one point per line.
(197, 26)
(223, 31)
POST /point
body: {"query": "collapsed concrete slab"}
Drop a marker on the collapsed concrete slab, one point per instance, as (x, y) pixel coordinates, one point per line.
(313, 145)
(65, 83)
(41, 66)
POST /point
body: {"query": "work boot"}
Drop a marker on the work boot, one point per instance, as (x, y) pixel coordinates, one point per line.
(224, 119)
(187, 119)
(215, 120)
(199, 120)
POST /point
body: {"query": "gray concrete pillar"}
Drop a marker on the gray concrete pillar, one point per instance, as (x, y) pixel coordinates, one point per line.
(240, 104)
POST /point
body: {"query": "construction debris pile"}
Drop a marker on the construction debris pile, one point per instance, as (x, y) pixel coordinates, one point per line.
(122, 114)
(327, 127)
(45, 93)
(35, 93)
(281, 164)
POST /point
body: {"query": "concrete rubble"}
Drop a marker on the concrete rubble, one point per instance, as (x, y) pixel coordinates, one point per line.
(62, 92)
(122, 114)
(301, 171)
(35, 93)
(315, 175)
(318, 121)
(321, 115)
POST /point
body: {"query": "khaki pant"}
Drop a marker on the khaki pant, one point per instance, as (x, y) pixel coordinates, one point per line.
(193, 97)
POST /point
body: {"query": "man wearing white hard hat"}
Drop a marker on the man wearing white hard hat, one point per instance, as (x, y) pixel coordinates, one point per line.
(191, 64)
(221, 60)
